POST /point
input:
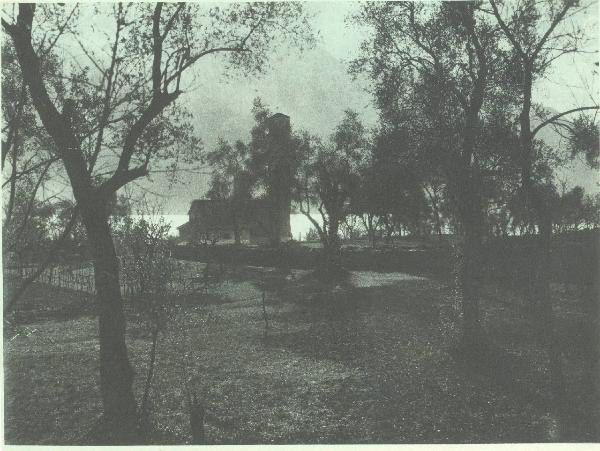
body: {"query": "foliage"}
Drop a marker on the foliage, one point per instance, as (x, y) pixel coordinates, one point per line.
(311, 235)
(144, 254)
(29, 228)
(349, 229)
(329, 176)
(574, 210)
(153, 280)
(265, 159)
(116, 118)
(439, 83)
(230, 176)
(29, 207)
(585, 139)
(264, 167)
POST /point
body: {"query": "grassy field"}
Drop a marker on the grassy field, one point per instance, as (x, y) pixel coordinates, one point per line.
(355, 363)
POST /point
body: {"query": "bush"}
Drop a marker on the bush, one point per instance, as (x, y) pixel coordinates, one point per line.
(145, 255)
(312, 235)
(150, 277)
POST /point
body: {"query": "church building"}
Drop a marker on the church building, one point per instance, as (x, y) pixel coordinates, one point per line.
(258, 221)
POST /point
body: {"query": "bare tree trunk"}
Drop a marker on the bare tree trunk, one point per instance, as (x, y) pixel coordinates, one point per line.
(436, 214)
(551, 337)
(544, 301)
(332, 248)
(372, 231)
(116, 374)
(144, 408)
(236, 230)
(592, 302)
(13, 186)
(197, 414)
(236, 206)
(14, 125)
(438, 224)
(469, 272)
(472, 222)
(470, 202)
(368, 220)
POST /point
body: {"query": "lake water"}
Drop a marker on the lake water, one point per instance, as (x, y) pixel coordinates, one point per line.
(299, 224)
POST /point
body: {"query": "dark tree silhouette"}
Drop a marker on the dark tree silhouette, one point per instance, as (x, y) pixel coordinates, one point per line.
(134, 114)
(433, 67)
(539, 34)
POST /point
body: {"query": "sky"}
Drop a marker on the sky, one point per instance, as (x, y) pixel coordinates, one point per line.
(564, 87)
(339, 42)
(314, 88)
(337, 37)
(300, 85)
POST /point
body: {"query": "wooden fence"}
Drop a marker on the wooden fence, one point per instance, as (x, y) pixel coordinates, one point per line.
(73, 278)
(81, 278)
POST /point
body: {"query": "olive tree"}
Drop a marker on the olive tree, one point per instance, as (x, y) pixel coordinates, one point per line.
(328, 178)
(118, 116)
(434, 70)
(538, 34)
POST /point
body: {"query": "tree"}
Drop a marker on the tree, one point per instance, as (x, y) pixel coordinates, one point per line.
(31, 204)
(231, 179)
(151, 275)
(584, 138)
(434, 188)
(273, 162)
(569, 212)
(108, 132)
(398, 176)
(311, 235)
(367, 203)
(389, 197)
(266, 166)
(539, 34)
(329, 176)
(591, 211)
(349, 229)
(432, 67)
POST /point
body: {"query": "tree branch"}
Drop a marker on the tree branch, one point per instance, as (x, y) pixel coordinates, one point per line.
(29, 170)
(51, 253)
(14, 124)
(55, 123)
(568, 4)
(32, 198)
(559, 115)
(511, 37)
(13, 188)
(110, 78)
(157, 49)
(171, 20)
(193, 59)
(313, 222)
(61, 30)
(160, 100)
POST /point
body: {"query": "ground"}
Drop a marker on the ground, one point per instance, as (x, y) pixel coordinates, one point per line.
(370, 360)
